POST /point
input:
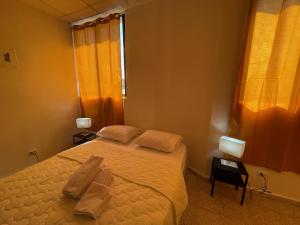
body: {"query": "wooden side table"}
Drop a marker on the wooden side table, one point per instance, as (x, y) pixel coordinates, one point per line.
(229, 175)
(83, 137)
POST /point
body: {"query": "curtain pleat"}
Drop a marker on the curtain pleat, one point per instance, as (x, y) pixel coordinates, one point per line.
(98, 64)
(266, 108)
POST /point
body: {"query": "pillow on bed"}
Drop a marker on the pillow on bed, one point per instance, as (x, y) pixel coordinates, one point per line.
(119, 133)
(159, 140)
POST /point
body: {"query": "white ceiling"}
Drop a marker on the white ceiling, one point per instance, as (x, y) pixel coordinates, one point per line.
(74, 10)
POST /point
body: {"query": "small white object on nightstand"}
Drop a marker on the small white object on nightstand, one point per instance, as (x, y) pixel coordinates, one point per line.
(229, 163)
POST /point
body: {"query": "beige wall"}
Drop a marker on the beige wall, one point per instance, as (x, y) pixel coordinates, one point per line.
(38, 99)
(182, 62)
(182, 58)
(285, 184)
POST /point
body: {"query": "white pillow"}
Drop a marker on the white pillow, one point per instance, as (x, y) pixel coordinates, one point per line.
(119, 133)
(159, 140)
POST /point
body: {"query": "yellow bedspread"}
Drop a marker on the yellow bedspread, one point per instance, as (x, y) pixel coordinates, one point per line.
(145, 190)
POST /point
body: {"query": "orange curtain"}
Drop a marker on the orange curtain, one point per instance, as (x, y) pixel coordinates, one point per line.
(98, 64)
(266, 107)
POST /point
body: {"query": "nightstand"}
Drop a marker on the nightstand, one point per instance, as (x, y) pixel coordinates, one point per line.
(229, 175)
(83, 137)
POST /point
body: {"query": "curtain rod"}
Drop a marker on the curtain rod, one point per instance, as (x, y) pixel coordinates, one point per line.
(98, 21)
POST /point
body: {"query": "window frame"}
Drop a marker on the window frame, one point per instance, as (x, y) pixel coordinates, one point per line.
(123, 55)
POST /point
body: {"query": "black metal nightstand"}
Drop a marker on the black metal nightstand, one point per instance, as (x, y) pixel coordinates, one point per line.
(83, 137)
(229, 175)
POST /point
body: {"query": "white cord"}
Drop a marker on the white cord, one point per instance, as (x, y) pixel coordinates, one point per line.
(263, 189)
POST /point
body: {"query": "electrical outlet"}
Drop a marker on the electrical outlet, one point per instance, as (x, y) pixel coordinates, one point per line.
(32, 151)
(8, 58)
(259, 172)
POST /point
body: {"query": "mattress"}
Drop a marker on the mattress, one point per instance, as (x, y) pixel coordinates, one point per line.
(148, 187)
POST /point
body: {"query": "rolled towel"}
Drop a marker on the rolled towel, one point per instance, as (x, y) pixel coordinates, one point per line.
(93, 201)
(104, 177)
(83, 177)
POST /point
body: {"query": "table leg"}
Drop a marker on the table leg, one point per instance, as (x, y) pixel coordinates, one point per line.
(212, 185)
(244, 190)
(211, 173)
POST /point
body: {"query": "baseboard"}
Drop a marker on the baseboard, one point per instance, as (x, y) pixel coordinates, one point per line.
(285, 198)
(197, 172)
(272, 195)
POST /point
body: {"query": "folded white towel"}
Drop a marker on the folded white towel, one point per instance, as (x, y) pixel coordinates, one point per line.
(104, 177)
(82, 178)
(93, 201)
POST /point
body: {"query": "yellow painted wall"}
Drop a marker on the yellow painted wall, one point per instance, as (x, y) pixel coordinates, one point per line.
(38, 99)
(182, 62)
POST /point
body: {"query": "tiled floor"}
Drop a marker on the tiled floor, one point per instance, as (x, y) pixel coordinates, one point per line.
(224, 208)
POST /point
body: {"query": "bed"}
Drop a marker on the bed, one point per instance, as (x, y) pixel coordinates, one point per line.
(148, 187)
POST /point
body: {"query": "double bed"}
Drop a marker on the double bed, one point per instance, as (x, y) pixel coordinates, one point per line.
(148, 187)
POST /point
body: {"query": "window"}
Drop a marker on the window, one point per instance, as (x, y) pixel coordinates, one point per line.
(121, 26)
(122, 46)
